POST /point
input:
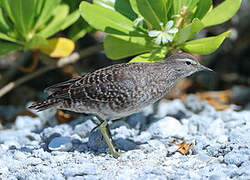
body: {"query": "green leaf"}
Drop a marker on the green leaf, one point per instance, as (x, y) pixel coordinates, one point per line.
(151, 57)
(121, 6)
(178, 5)
(39, 6)
(36, 41)
(7, 38)
(205, 45)
(6, 48)
(22, 13)
(188, 32)
(168, 8)
(117, 47)
(70, 19)
(107, 20)
(73, 4)
(46, 12)
(133, 4)
(221, 13)
(154, 12)
(57, 22)
(79, 29)
(191, 4)
(202, 8)
(105, 3)
(5, 25)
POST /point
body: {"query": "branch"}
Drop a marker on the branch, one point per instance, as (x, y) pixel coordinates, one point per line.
(73, 58)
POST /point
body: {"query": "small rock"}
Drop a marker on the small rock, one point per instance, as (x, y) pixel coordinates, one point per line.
(170, 108)
(235, 158)
(80, 170)
(27, 122)
(194, 104)
(63, 129)
(118, 123)
(80, 119)
(216, 128)
(84, 128)
(153, 145)
(51, 137)
(124, 132)
(166, 127)
(60, 144)
(19, 156)
(203, 157)
(33, 161)
(124, 144)
(148, 110)
(216, 177)
(144, 137)
(137, 121)
(240, 94)
(96, 142)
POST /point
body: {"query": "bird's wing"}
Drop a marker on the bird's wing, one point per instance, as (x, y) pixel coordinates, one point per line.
(103, 85)
(59, 86)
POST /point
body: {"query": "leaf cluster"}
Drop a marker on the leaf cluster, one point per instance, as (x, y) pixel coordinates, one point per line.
(27, 24)
(119, 19)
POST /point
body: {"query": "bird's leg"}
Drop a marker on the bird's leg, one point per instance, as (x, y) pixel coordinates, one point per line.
(100, 122)
(107, 136)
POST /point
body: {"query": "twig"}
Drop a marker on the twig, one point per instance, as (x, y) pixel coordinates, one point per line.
(73, 58)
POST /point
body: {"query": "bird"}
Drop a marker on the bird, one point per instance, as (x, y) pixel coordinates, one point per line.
(119, 90)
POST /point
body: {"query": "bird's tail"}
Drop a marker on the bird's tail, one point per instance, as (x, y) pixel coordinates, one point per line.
(46, 104)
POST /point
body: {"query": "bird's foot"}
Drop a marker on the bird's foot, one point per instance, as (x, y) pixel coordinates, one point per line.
(115, 153)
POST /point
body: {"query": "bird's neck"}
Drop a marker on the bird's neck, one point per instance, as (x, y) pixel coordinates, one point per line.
(164, 75)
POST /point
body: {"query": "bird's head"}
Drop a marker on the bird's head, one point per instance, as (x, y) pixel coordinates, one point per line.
(184, 64)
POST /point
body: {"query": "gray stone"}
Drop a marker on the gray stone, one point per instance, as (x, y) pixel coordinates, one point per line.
(235, 158)
(84, 128)
(118, 123)
(96, 142)
(166, 127)
(60, 144)
(80, 170)
(143, 137)
(170, 108)
(194, 104)
(124, 144)
(27, 122)
(137, 121)
(63, 130)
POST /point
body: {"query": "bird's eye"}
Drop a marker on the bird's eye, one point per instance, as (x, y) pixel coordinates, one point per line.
(188, 62)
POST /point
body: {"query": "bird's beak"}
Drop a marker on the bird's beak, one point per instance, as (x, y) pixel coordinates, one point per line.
(203, 68)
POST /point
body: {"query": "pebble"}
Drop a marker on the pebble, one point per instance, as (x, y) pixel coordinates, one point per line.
(236, 158)
(137, 121)
(170, 108)
(28, 123)
(167, 127)
(96, 142)
(60, 144)
(84, 128)
(194, 104)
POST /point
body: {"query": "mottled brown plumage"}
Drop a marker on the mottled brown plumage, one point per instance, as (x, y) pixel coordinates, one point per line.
(120, 90)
